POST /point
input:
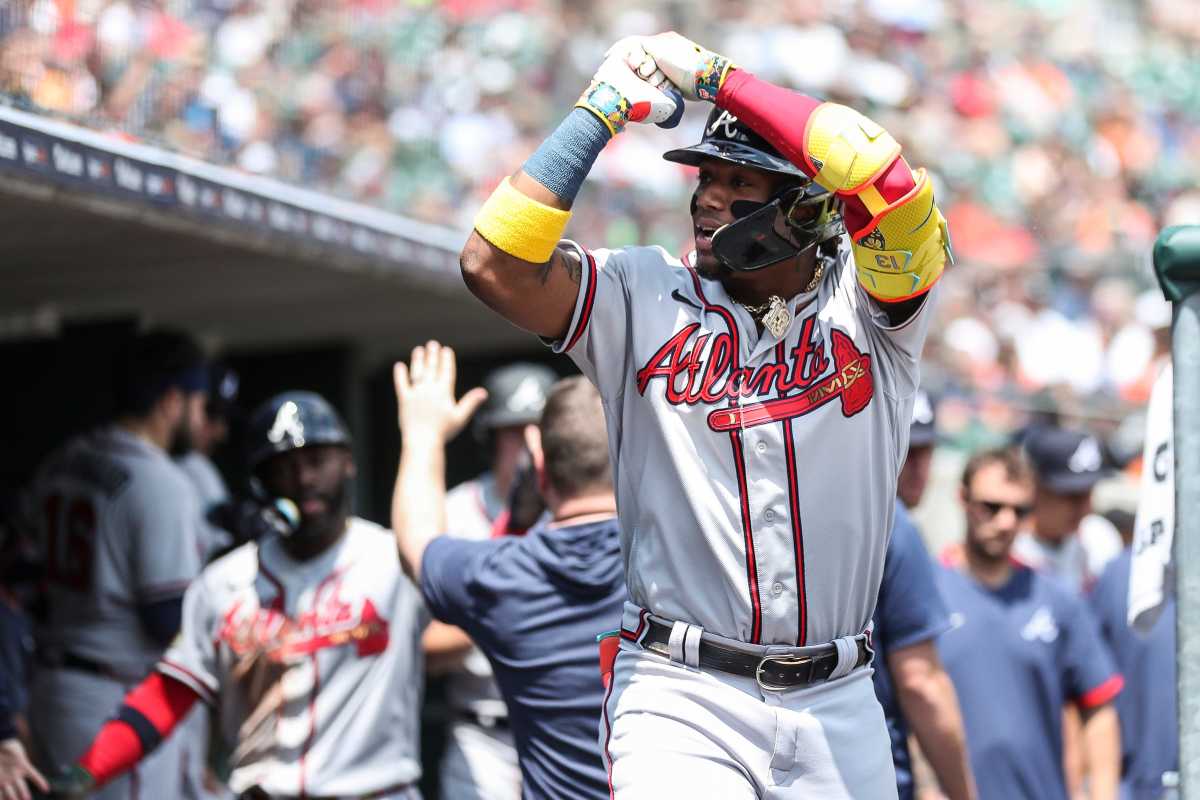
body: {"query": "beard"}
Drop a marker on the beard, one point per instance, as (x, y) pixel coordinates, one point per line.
(992, 552)
(326, 523)
(711, 268)
(183, 441)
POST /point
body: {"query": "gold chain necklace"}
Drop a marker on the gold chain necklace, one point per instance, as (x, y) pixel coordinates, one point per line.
(774, 314)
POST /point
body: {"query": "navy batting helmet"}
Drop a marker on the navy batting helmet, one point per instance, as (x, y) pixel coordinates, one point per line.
(292, 420)
(811, 214)
(516, 395)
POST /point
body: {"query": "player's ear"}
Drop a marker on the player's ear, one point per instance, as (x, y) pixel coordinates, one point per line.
(350, 469)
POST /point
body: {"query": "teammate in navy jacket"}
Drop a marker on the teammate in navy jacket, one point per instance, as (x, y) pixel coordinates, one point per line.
(533, 604)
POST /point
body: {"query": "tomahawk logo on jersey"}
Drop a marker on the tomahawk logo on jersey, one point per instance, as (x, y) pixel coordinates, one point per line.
(332, 622)
(319, 652)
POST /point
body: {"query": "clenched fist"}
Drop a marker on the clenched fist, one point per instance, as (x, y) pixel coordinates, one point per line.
(696, 72)
(627, 88)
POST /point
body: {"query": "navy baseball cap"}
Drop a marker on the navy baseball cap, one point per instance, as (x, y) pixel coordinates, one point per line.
(223, 387)
(922, 430)
(1066, 461)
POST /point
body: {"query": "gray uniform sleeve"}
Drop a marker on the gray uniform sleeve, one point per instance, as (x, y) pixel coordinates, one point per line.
(163, 521)
(192, 657)
(597, 339)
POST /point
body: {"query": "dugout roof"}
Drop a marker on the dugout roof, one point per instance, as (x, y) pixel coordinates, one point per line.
(96, 227)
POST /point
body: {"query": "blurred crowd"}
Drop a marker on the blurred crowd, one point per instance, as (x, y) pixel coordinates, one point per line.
(1062, 135)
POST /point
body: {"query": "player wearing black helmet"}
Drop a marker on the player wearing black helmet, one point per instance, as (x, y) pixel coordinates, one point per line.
(313, 628)
(758, 235)
(757, 398)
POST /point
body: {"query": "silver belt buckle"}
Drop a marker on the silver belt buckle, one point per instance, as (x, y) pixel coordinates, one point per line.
(783, 661)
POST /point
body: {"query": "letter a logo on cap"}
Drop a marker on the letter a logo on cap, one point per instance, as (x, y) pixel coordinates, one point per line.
(1086, 457)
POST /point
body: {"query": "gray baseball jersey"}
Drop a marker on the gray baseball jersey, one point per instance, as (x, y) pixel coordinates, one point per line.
(315, 667)
(755, 476)
(210, 491)
(471, 509)
(118, 528)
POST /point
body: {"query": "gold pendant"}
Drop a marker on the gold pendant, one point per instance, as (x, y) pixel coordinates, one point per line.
(777, 318)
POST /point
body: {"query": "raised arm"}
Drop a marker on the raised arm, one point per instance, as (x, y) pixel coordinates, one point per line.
(512, 261)
(899, 237)
(429, 416)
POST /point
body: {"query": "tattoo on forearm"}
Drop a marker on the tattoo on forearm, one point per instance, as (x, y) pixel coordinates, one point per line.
(560, 260)
(544, 269)
(573, 266)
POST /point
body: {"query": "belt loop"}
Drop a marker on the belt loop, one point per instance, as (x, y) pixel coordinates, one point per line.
(678, 635)
(691, 646)
(847, 650)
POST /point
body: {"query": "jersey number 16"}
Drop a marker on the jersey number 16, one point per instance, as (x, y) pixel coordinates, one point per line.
(70, 533)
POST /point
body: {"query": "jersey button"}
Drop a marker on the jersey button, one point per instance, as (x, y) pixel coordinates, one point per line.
(777, 589)
(761, 447)
(769, 515)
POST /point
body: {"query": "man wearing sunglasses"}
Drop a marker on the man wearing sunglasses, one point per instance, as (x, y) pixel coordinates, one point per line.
(1019, 648)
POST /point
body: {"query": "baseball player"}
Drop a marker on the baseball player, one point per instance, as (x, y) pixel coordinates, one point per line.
(1020, 647)
(197, 463)
(1065, 539)
(307, 642)
(1147, 706)
(211, 493)
(118, 538)
(534, 603)
(910, 682)
(757, 396)
(480, 761)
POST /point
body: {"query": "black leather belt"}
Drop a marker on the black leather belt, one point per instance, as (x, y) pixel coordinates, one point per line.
(774, 673)
(258, 793)
(78, 663)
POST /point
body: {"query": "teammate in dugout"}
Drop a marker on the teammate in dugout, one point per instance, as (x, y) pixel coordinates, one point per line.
(533, 603)
(306, 642)
(118, 532)
(480, 760)
(757, 398)
(1020, 647)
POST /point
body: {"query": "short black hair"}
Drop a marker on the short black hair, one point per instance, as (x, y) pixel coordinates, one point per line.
(575, 439)
(151, 364)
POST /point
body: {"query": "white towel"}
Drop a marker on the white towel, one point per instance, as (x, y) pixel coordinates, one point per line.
(1152, 576)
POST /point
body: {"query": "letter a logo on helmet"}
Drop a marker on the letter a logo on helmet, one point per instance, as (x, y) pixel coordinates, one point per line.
(287, 423)
(728, 122)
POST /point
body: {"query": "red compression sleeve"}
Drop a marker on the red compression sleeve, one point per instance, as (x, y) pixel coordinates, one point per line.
(781, 116)
(150, 712)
